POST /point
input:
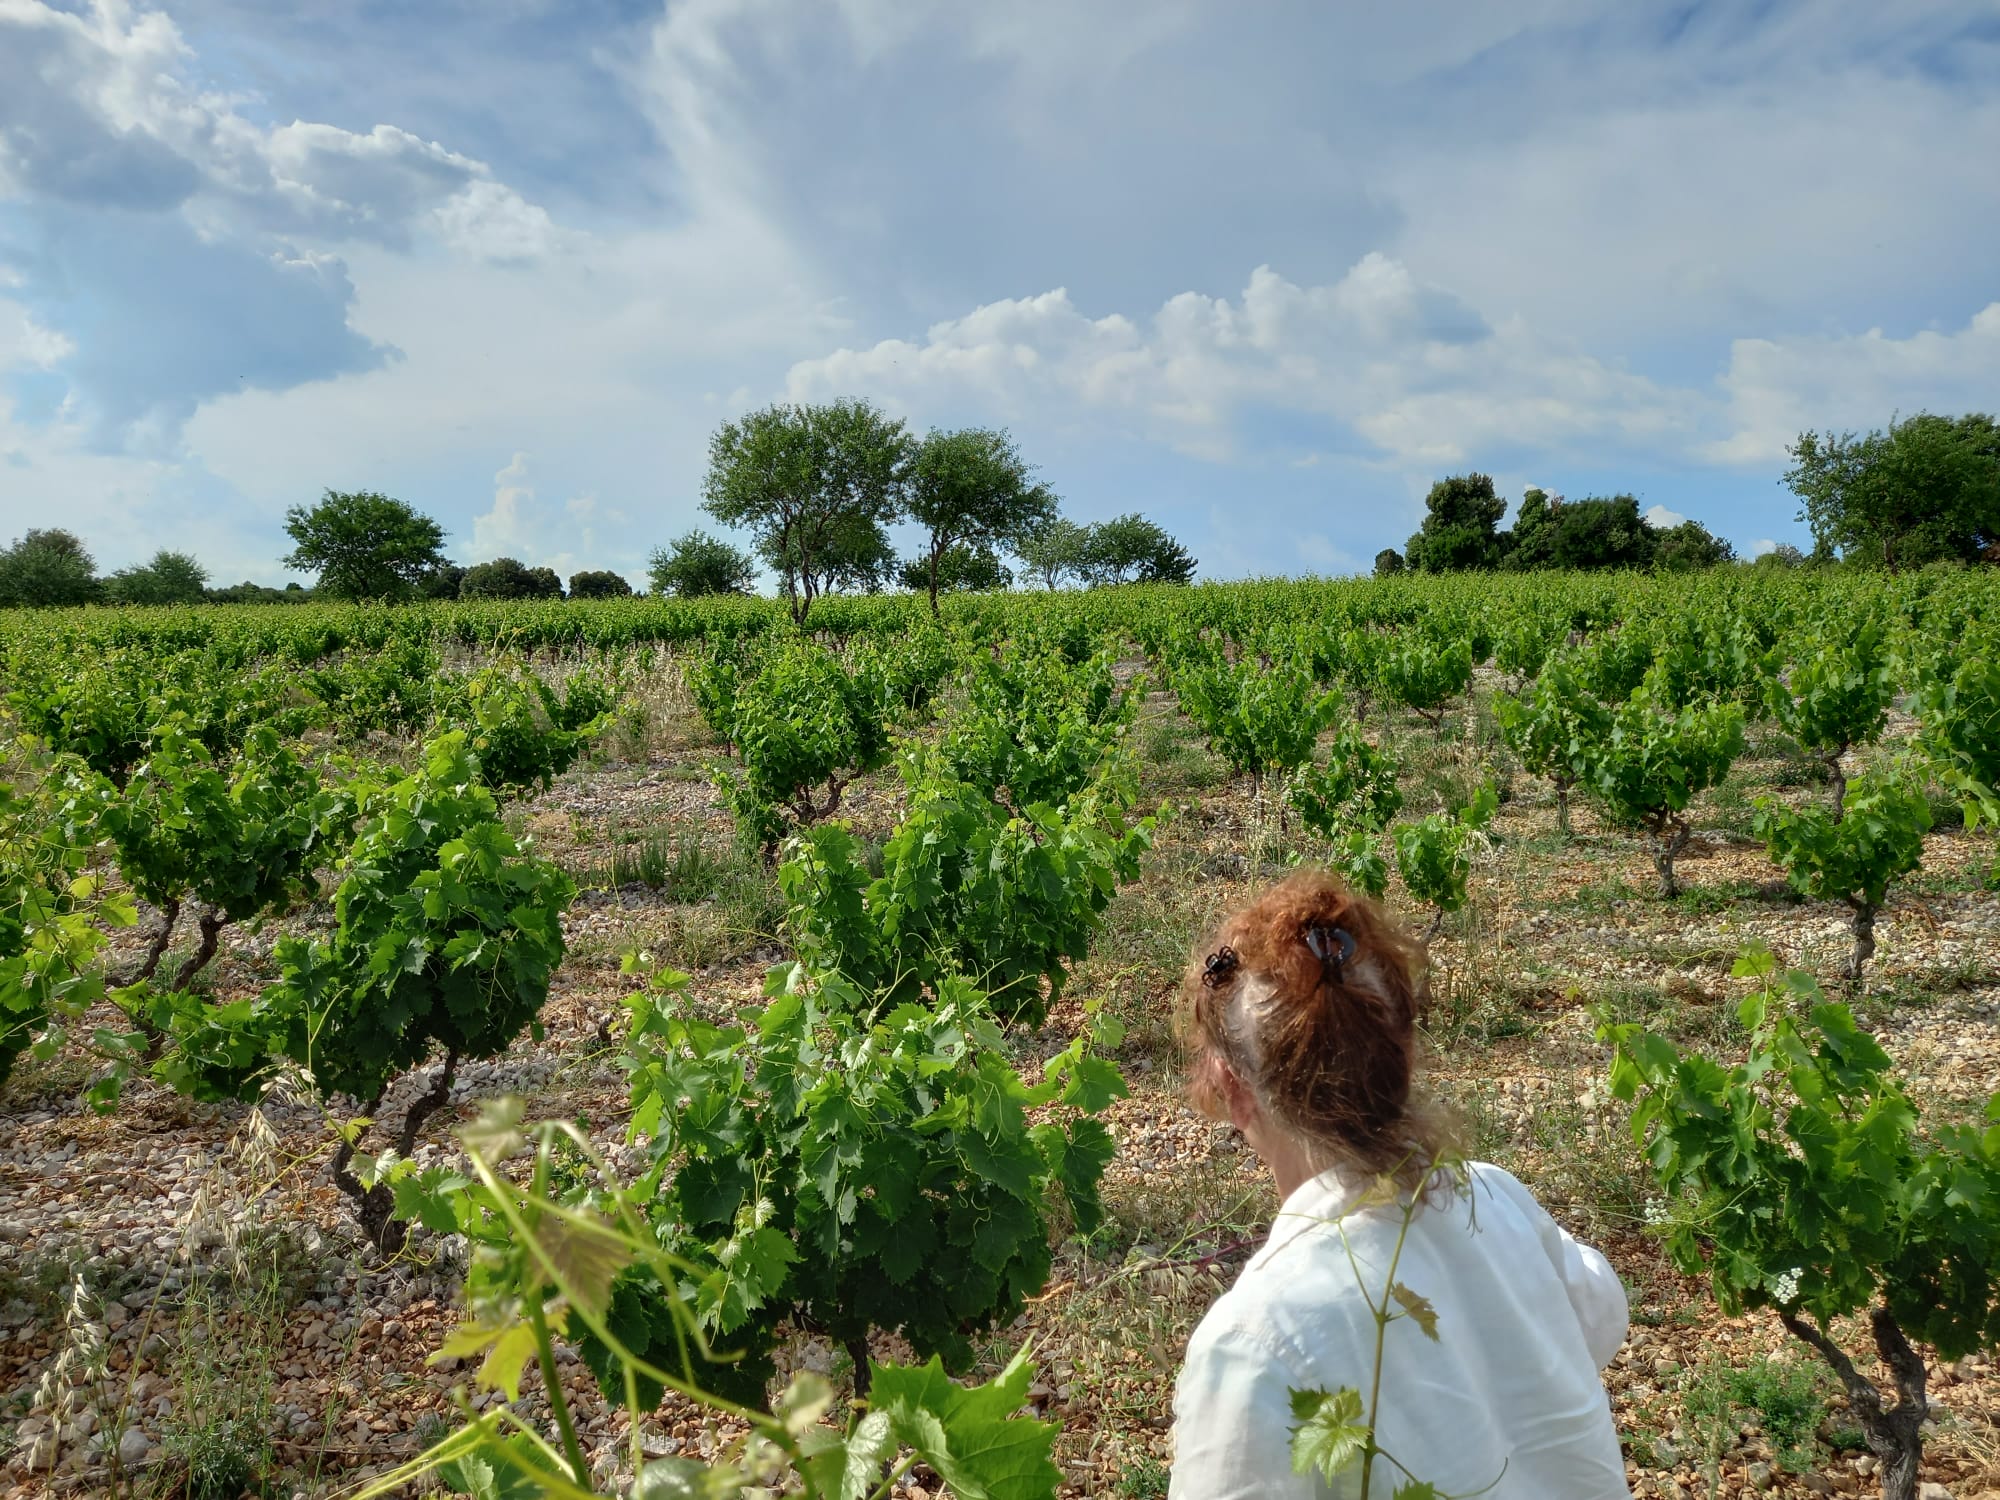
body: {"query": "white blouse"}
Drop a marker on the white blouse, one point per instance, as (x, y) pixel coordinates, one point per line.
(1508, 1396)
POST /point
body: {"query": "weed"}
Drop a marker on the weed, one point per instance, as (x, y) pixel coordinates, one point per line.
(1597, 898)
(1678, 1012)
(229, 1343)
(1176, 752)
(37, 1082)
(1579, 1158)
(1785, 1399)
(1197, 1203)
(1145, 1480)
(1729, 809)
(1135, 963)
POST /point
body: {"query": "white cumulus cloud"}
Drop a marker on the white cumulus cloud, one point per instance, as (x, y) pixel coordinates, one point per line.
(1407, 365)
(1777, 388)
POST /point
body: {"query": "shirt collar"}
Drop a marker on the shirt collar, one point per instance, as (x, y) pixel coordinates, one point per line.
(1313, 1204)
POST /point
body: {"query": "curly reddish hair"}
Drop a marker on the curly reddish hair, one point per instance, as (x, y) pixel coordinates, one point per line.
(1328, 1045)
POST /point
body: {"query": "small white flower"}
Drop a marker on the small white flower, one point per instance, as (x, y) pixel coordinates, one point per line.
(1785, 1288)
(1656, 1212)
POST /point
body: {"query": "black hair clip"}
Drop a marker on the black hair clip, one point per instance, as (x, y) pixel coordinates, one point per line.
(1219, 966)
(1321, 937)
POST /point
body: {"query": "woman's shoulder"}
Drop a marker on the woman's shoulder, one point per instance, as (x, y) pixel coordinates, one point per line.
(1484, 1174)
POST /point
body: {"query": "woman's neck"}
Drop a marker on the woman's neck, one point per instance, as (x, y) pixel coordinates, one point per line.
(1292, 1164)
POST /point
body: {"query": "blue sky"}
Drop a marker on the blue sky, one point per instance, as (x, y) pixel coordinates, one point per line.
(1262, 271)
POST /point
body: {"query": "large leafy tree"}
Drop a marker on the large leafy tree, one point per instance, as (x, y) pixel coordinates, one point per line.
(1926, 490)
(1132, 549)
(598, 583)
(509, 578)
(48, 567)
(856, 558)
(969, 489)
(1528, 543)
(1461, 515)
(814, 485)
(1600, 532)
(441, 582)
(1052, 550)
(170, 578)
(364, 545)
(962, 567)
(696, 565)
(1689, 547)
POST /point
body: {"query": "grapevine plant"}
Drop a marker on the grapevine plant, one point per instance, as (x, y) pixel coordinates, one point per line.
(1835, 696)
(1035, 728)
(966, 888)
(1652, 761)
(524, 731)
(1261, 714)
(237, 839)
(1803, 1180)
(446, 934)
(845, 1165)
(1356, 788)
(52, 919)
(1855, 857)
(1434, 854)
(549, 1262)
(1961, 730)
(1424, 675)
(805, 728)
(1555, 730)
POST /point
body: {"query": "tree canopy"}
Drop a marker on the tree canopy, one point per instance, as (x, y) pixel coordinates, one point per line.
(1132, 549)
(962, 568)
(1598, 532)
(170, 578)
(1461, 520)
(1052, 550)
(48, 568)
(697, 564)
(598, 583)
(814, 485)
(970, 489)
(509, 578)
(1688, 547)
(364, 545)
(1926, 490)
(1461, 533)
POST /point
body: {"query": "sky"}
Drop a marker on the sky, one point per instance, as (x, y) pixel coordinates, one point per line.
(1261, 270)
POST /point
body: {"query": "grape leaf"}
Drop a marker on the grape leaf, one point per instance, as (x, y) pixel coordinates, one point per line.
(966, 1433)
(1328, 1434)
(1417, 1307)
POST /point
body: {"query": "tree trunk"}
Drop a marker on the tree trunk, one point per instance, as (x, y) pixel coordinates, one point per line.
(857, 1353)
(375, 1207)
(1864, 940)
(1837, 779)
(1673, 835)
(934, 573)
(1895, 1436)
(156, 947)
(212, 923)
(1562, 807)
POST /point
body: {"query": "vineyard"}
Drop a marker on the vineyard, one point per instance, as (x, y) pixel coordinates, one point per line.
(656, 1047)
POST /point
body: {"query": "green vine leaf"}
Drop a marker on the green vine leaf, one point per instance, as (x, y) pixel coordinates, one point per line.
(1328, 1434)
